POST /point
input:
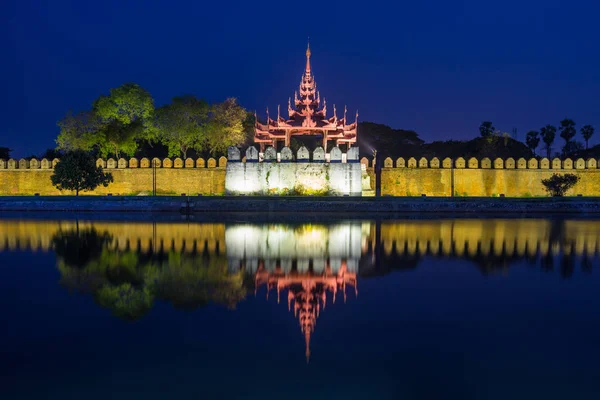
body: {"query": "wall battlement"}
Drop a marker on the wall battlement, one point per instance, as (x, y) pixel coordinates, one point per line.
(121, 163)
(486, 163)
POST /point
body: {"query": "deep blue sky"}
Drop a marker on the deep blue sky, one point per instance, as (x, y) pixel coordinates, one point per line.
(438, 67)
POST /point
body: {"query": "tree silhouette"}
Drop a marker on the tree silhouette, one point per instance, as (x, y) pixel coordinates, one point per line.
(548, 133)
(567, 132)
(533, 140)
(77, 171)
(79, 247)
(486, 129)
(558, 185)
(587, 132)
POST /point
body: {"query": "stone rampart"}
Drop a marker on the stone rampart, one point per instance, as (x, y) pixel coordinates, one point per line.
(301, 175)
(484, 177)
(131, 177)
(306, 173)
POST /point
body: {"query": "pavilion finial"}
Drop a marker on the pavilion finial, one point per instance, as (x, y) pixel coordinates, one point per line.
(307, 70)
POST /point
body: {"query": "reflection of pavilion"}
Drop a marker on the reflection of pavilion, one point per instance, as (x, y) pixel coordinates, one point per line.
(308, 290)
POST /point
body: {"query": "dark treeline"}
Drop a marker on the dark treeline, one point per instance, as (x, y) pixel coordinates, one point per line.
(490, 143)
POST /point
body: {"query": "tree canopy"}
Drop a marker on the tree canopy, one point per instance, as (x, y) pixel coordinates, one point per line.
(587, 131)
(532, 140)
(486, 129)
(226, 126)
(548, 133)
(567, 132)
(183, 125)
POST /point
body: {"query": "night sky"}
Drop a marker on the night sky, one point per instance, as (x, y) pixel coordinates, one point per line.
(438, 67)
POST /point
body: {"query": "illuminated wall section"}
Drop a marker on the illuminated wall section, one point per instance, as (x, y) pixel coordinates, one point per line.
(285, 175)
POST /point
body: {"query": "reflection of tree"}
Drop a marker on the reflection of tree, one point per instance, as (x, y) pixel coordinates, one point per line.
(78, 247)
(127, 282)
(189, 282)
(126, 301)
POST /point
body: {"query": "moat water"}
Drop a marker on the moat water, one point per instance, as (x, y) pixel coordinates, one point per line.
(349, 309)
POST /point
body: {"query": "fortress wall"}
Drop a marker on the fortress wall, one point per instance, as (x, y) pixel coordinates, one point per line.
(521, 178)
(127, 181)
(482, 178)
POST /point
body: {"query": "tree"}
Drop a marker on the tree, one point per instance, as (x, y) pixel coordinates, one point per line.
(125, 116)
(77, 131)
(486, 129)
(532, 140)
(558, 185)
(77, 171)
(78, 247)
(4, 153)
(587, 132)
(183, 125)
(226, 126)
(548, 133)
(567, 131)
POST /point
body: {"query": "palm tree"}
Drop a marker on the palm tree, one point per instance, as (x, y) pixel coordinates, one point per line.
(587, 132)
(532, 140)
(548, 133)
(567, 132)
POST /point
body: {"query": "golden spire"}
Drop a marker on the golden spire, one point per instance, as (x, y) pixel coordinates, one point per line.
(307, 70)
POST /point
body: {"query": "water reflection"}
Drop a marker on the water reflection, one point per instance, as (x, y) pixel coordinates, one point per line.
(128, 267)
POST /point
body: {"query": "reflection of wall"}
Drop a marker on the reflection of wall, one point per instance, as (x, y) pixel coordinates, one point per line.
(143, 236)
(319, 242)
(287, 243)
(126, 181)
(491, 237)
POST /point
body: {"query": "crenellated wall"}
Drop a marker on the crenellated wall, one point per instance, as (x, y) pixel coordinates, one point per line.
(486, 178)
(333, 173)
(131, 177)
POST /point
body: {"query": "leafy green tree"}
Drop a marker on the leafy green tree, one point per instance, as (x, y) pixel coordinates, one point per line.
(486, 129)
(77, 171)
(532, 140)
(183, 125)
(125, 116)
(226, 126)
(4, 153)
(548, 134)
(77, 131)
(567, 131)
(558, 185)
(587, 132)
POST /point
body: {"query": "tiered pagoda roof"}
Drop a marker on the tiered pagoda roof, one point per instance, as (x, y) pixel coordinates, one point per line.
(308, 292)
(308, 116)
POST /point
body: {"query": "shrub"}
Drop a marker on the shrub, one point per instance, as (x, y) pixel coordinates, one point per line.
(558, 185)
